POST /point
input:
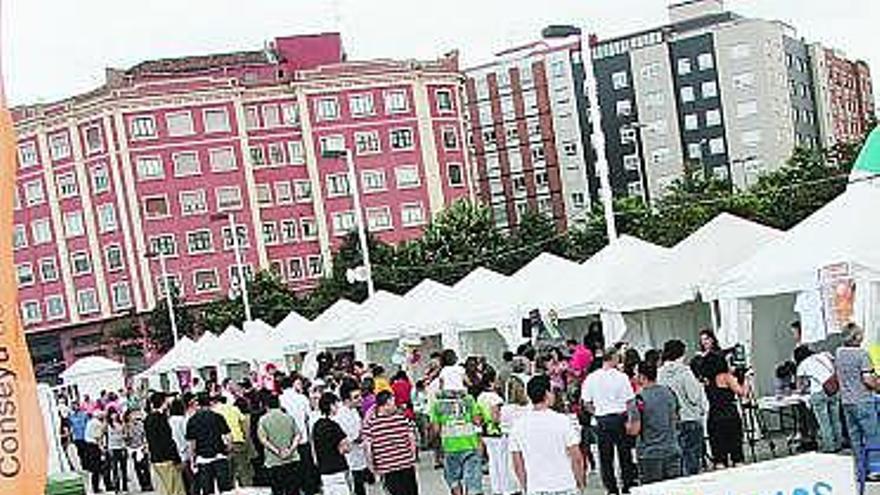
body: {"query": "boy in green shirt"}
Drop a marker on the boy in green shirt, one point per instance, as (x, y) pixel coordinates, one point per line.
(459, 419)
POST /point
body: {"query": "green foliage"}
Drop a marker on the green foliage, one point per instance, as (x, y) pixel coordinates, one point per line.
(270, 299)
(159, 324)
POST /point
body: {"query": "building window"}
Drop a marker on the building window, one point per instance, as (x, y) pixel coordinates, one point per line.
(295, 269)
(308, 228)
(444, 100)
(27, 155)
(164, 244)
(87, 302)
(179, 124)
(706, 61)
(650, 71)
(59, 146)
(257, 156)
(659, 156)
(186, 164)
(113, 256)
(156, 207)
(216, 120)
(635, 189)
(379, 219)
(316, 266)
(747, 108)
(276, 153)
(271, 116)
(121, 293)
(327, 108)
(450, 138)
(173, 283)
(150, 168)
(205, 281)
(691, 122)
(695, 151)
(361, 105)
(489, 137)
(48, 270)
(396, 101)
(228, 198)
(67, 187)
(34, 194)
(334, 143)
(264, 195)
(684, 66)
(100, 180)
(288, 231)
(73, 224)
(193, 202)
(570, 148)
(80, 263)
(713, 118)
(19, 237)
(290, 114)
(25, 274)
(41, 231)
(407, 176)
(252, 118)
(412, 214)
(455, 174)
(343, 223)
(302, 191)
(740, 51)
(242, 232)
(542, 179)
(743, 81)
(751, 138)
(31, 313)
(624, 108)
(199, 242)
(402, 139)
(107, 218)
(654, 100)
(222, 159)
(519, 183)
(143, 127)
(296, 152)
(373, 180)
(631, 162)
(93, 139)
(366, 143)
(687, 94)
(283, 193)
(709, 89)
(55, 309)
(620, 80)
(337, 185)
(716, 146)
(627, 135)
(578, 200)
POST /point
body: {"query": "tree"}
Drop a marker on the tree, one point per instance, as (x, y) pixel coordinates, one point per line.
(159, 323)
(534, 234)
(270, 300)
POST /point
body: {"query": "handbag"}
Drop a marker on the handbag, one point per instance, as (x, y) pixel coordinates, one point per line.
(832, 385)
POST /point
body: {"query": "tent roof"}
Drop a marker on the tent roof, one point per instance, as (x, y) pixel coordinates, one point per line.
(680, 273)
(293, 322)
(91, 365)
(836, 233)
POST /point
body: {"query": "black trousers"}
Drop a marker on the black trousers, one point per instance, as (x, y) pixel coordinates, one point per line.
(726, 440)
(402, 482)
(308, 473)
(96, 463)
(359, 479)
(611, 436)
(283, 479)
(119, 469)
(141, 463)
(211, 474)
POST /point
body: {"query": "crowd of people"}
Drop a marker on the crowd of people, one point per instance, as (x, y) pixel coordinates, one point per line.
(530, 422)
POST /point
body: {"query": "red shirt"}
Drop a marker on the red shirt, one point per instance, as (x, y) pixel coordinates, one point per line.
(403, 396)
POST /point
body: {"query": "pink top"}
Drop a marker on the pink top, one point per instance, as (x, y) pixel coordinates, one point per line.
(581, 359)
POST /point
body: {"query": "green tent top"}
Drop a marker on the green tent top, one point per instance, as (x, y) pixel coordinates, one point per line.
(869, 157)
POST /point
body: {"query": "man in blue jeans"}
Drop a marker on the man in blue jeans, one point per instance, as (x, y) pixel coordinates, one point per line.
(692, 405)
(459, 419)
(858, 382)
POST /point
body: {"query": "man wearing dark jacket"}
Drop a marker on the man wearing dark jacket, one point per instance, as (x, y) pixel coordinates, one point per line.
(163, 451)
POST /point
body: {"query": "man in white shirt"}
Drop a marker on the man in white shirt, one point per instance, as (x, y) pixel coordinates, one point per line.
(296, 404)
(349, 420)
(545, 446)
(813, 370)
(607, 393)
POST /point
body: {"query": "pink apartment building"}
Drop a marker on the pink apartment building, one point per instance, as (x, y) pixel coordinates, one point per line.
(156, 159)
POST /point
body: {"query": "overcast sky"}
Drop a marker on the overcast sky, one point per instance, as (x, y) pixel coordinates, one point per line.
(55, 48)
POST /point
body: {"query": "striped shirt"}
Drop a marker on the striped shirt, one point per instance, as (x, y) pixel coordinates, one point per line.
(391, 441)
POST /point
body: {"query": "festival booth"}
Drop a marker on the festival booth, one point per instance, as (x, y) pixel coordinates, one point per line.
(260, 345)
(294, 326)
(663, 300)
(825, 271)
(162, 374)
(93, 374)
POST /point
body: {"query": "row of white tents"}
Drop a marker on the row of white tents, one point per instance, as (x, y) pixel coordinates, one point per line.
(741, 278)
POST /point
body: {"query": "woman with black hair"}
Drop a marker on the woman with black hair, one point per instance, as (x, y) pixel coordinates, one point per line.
(724, 421)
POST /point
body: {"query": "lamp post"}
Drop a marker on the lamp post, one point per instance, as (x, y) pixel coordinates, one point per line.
(358, 213)
(166, 285)
(239, 264)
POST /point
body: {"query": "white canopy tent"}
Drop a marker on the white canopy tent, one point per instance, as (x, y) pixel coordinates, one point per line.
(260, 344)
(179, 355)
(92, 374)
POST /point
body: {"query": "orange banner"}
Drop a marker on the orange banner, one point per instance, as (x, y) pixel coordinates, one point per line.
(23, 453)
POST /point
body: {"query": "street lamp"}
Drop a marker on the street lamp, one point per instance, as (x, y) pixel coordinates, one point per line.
(239, 264)
(166, 285)
(358, 214)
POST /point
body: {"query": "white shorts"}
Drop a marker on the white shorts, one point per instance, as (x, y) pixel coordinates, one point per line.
(335, 484)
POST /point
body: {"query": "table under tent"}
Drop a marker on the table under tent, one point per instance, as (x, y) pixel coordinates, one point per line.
(824, 271)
